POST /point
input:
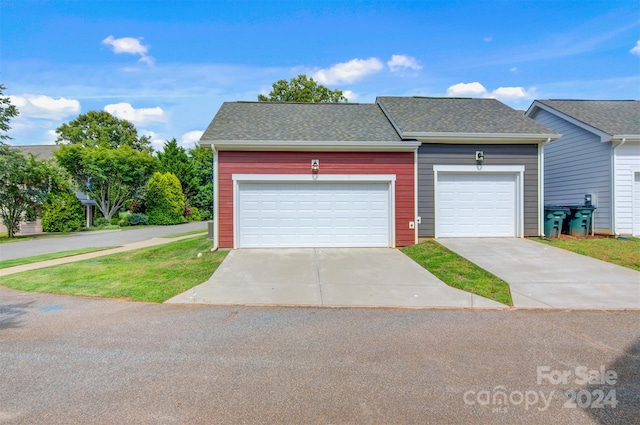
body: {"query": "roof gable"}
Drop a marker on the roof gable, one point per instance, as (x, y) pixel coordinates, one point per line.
(614, 117)
(412, 116)
(283, 121)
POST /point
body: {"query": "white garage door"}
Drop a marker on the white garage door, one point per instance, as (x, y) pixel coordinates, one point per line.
(476, 204)
(313, 215)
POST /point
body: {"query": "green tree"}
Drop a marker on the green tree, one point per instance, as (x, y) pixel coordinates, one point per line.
(202, 180)
(7, 111)
(23, 185)
(302, 89)
(101, 129)
(174, 159)
(109, 176)
(164, 199)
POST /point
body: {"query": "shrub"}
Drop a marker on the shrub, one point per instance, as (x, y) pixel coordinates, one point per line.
(100, 222)
(62, 213)
(206, 214)
(164, 199)
(137, 219)
(114, 221)
(195, 214)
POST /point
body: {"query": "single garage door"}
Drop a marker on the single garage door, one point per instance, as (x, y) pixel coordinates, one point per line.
(476, 205)
(313, 214)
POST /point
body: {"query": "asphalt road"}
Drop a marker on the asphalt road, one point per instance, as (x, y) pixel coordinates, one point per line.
(93, 239)
(69, 360)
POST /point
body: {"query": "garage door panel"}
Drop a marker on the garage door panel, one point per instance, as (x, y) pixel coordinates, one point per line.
(476, 204)
(313, 214)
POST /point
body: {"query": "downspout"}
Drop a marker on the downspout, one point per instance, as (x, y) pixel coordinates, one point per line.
(613, 188)
(541, 187)
(215, 199)
(415, 193)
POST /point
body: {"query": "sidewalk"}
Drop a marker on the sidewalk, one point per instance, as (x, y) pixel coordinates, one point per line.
(65, 260)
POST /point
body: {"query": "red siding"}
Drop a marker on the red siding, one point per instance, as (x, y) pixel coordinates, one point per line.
(398, 163)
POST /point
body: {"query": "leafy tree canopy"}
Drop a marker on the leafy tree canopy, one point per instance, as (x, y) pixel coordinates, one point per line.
(174, 159)
(203, 180)
(108, 176)
(101, 129)
(164, 199)
(7, 111)
(23, 185)
(302, 89)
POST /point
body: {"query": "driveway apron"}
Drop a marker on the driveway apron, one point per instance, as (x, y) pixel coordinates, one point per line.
(547, 277)
(327, 277)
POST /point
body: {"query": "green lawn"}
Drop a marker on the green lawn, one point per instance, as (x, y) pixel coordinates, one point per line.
(44, 257)
(150, 274)
(192, 232)
(624, 252)
(4, 238)
(458, 272)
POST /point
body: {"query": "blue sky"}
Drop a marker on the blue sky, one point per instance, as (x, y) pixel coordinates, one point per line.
(167, 66)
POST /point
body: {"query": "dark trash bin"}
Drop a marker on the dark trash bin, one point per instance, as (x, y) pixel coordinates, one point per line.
(578, 222)
(553, 219)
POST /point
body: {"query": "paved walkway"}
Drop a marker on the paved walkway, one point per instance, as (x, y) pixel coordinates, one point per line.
(334, 277)
(44, 244)
(542, 276)
(65, 260)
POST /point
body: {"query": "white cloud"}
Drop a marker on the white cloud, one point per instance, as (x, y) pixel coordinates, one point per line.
(488, 39)
(636, 49)
(137, 116)
(131, 46)
(40, 106)
(190, 138)
(350, 95)
(476, 89)
(157, 142)
(512, 93)
(466, 89)
(401, 62)
(514, 69)
(348, 72)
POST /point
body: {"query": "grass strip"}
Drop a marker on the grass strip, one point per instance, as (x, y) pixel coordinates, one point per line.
(458, 272)
(624, 252)
(152, 274)
(192, 232)
(44, 257)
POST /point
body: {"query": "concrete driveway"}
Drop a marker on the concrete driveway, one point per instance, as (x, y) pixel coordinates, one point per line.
(327, 277)
(547, 277)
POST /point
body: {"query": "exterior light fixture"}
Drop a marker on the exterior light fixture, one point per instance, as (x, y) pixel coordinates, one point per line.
(479, 157)
(315, 166)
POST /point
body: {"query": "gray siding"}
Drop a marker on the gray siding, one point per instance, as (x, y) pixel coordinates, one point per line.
(574, 165)
(448, 154)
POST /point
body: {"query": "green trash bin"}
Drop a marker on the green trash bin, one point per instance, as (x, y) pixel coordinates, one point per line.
(553, 219)
(579, 220)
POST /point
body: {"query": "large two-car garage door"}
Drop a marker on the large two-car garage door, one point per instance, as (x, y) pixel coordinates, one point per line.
(313, 214)
(476, 205)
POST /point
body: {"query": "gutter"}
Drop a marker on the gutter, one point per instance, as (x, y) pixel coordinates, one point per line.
(440, 137)
(315, 146)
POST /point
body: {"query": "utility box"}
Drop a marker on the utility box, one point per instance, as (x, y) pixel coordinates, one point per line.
(553, 220)
(210, 229)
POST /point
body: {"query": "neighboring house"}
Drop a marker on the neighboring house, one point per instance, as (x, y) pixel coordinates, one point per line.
(597, 155)
(45, 152)
(383, 174)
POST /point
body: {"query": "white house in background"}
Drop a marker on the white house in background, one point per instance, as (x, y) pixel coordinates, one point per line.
(598, 155)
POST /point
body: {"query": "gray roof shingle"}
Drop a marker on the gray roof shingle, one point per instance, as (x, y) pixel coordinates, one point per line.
(39, 151)
(300, 122)
(457, 115)
(615, 117)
